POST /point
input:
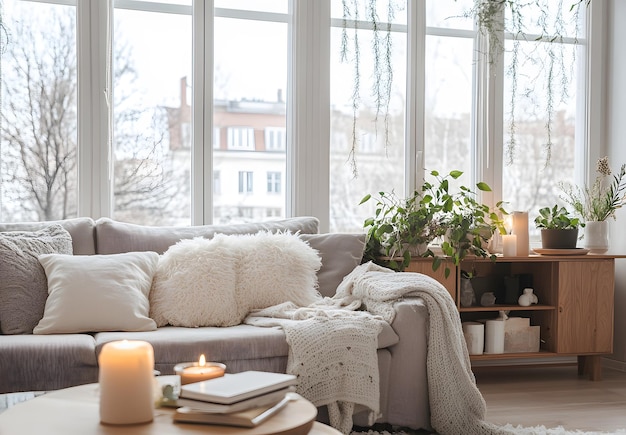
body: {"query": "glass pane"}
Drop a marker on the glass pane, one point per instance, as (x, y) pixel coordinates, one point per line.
(277, 6)
(530, 181)
(378, 146)
(541, 18)
(249, 108)
(448, 106)
(38, 144)
(453, 14)
(152, 117)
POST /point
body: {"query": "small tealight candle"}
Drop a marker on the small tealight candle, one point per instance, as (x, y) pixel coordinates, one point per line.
(199, 371)
(126, 381)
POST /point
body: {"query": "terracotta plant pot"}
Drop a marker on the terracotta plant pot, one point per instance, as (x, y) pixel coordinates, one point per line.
(559, 239)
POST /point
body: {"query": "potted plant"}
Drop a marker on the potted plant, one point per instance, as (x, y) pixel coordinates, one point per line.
(469, 223)
(596, 204)
(402, 228)
(559, 230)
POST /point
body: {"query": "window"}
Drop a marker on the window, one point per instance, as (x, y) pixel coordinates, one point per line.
(274, 180)
(275, 139)
(240, 138)
(245, 182)
(151, 114)
(38, 136)
(278, 108)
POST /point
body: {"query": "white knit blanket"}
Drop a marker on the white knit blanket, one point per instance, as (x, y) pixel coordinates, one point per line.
(456, 404)
(332, 351)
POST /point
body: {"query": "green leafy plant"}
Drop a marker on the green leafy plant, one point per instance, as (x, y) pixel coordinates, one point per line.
(401, 225)
(600, 201)
(557, 218)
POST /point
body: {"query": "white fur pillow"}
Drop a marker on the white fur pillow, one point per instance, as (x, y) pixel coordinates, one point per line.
(217, 282)
(276, 268)
(195, 285)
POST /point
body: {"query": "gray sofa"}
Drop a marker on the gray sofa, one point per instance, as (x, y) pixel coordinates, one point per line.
(47, 362)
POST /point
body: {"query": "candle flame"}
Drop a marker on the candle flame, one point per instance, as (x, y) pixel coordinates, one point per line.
(202, 361)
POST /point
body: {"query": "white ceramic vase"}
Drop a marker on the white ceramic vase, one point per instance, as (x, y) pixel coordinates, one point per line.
(597, 236)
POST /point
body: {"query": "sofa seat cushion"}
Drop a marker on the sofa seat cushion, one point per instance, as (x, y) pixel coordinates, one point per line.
(173, 345)
(114, 237)
(35, 362)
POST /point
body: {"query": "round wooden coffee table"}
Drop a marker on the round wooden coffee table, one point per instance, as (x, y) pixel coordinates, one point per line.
(76, 410)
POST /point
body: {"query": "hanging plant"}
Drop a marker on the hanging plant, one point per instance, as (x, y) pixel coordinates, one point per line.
(383, 71)
(490, 18)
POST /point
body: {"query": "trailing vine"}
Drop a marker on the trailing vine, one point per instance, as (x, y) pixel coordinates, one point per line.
(383, 72)
(489, 16)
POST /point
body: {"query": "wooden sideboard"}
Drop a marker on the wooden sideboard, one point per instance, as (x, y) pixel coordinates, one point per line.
(575, 309)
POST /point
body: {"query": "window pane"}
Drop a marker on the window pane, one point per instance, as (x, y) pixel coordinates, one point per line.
(454, 14)
(395, 15)
(530, 182)
(448, 105)
(152, 117)
(378, 147)
(250, 79)
(38, 144)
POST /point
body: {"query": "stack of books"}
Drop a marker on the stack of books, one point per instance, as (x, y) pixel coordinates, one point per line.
(243, 399)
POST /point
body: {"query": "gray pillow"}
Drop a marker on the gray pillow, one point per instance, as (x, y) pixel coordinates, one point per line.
(24, 287)
(340, 253)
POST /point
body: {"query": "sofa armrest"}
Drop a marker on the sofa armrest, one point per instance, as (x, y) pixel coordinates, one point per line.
(408, 384)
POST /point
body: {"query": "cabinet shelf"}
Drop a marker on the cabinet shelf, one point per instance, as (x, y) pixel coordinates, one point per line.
(492, 356)
(507, 308)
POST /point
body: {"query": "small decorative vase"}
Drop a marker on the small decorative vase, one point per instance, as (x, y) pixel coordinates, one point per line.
(597, 236)
(527, 298)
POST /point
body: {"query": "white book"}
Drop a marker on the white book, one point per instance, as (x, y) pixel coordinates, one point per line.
(267, 399)
(232, 388)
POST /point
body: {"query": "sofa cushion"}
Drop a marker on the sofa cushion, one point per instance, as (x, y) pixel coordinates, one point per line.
(23, 286)
(40, 363)
(113, 237)
(98, 293)
(218, 281)
(173, 345)
(340, 253)
(81, 229)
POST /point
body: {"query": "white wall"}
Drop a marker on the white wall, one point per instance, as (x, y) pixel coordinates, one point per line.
(616, 148)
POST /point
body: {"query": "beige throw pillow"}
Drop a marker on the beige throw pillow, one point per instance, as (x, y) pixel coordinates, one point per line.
(98, 293)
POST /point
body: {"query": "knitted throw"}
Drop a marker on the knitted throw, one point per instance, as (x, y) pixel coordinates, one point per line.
(456, 404)
(333, 353)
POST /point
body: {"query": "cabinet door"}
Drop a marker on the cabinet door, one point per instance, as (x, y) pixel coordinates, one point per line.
(425, 266)
(585, 306)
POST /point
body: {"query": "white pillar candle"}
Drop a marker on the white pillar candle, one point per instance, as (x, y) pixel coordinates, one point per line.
(494, 336)
(126, 382)
(474, 333)
(520, 229)
(509, 245)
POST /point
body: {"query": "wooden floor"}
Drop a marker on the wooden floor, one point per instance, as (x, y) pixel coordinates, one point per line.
(553, 396)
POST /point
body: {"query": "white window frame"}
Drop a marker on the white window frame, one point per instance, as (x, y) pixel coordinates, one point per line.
(308, 113)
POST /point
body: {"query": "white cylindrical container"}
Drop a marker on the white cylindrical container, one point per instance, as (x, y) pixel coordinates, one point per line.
(597, 236)
(520, 229)
(474, 333)
(126, 381)
(494, 336)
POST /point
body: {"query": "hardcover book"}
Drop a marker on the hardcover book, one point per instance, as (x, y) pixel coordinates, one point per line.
(232, 388)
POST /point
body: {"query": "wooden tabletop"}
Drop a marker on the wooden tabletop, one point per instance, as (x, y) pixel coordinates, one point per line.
(75, 410)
